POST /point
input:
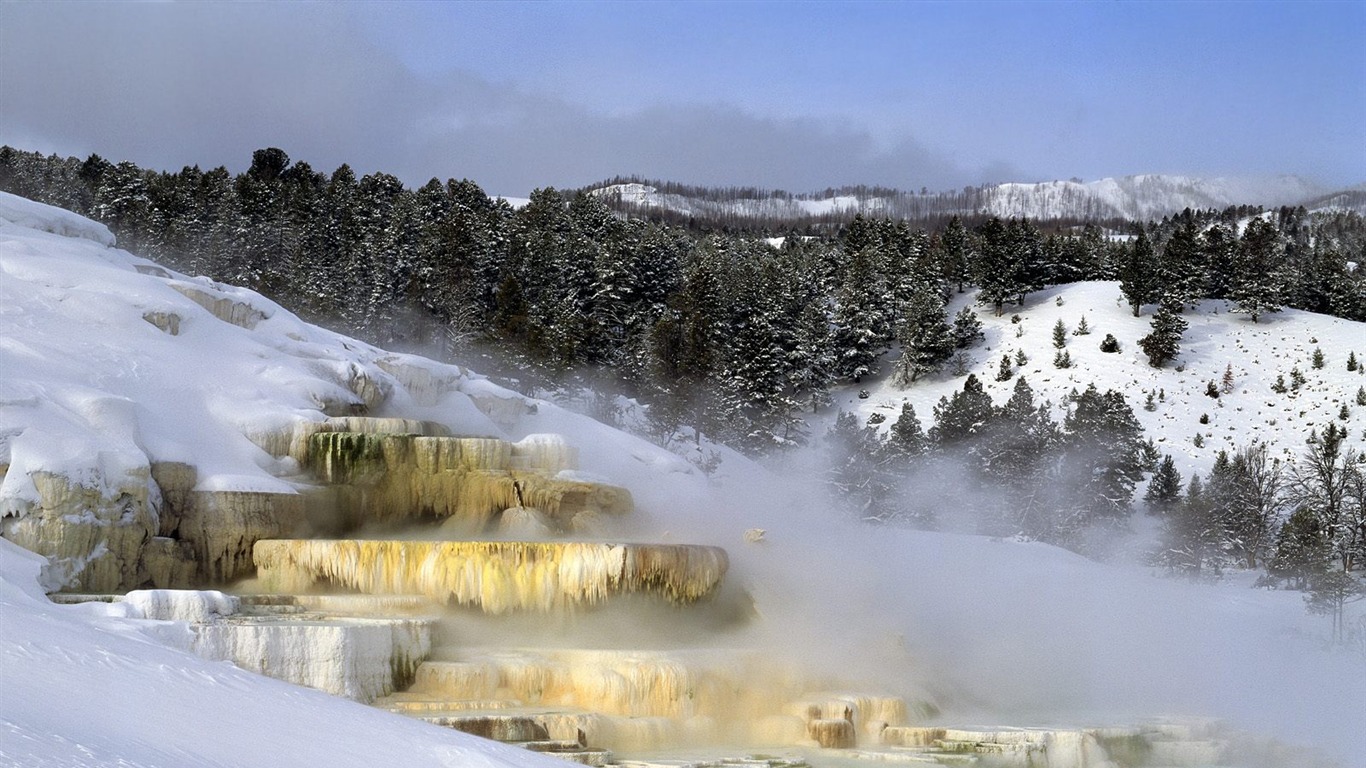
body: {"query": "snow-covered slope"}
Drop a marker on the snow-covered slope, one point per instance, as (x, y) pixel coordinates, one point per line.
(96, 385)
(1141, 197)
(1217, 339)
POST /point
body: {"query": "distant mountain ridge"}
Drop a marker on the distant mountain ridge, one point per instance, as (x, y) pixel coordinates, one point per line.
(1140, 197)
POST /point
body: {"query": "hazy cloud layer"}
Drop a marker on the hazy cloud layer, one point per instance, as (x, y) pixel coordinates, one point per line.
(800, 97)
(207, 84)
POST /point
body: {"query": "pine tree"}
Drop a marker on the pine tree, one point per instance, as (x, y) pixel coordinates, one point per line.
(926, 339)
(1105, 453)
(1164, 489)
(967, 328)
(1317, 360)
(1004, 372)
(1138, 274)
(1181, 267)
(960, 417)
(1059, 334)
(861, 326)
(1301, 551)
(953, 245)
(907, 436)
(857, 475)
(1082, 328)
(1164, 343)
(1191, 541)
(1258, 280)
(1226, 383)
(1063, 359)
(1352, 360)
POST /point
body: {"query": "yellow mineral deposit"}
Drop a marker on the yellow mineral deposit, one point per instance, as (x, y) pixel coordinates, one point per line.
(493, 576)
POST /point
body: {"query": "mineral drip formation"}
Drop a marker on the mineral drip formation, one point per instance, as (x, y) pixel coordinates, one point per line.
(465, 482)
(493, 576)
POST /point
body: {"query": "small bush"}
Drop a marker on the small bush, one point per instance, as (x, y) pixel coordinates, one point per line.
(1109, 343)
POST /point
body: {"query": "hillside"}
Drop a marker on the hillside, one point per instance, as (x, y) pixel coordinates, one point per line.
(1217, 339)
(1140, 198)
(113, 363)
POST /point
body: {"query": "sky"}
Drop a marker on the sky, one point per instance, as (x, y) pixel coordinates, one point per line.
(796, 96)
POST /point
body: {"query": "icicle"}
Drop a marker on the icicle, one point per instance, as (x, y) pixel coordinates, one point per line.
(495, 576)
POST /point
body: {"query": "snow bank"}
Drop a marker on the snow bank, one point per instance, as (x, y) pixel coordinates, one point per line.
(23, 212)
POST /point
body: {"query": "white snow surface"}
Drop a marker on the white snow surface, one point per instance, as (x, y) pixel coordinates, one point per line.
(1003, 631)
(1217, 339)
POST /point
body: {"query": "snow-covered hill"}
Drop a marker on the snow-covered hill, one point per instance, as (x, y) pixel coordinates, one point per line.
(110, 362)
(1140, 197)
(1217, 340)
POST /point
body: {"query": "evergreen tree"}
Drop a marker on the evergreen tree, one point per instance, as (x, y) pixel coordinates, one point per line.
(857, 475)
(906, 436)
(926, 339)
(1219, 246)
(953, 245)
(1017, 451)
(1164, 343)
(1059, 334)
(1106, 455)
(1302, 550)
(994, 268)
(1258, 282)
(1138, 273)
(1181, 267)
(1164, 488)
(967, 329)
(1192, 536)
(1004, 372)
(957, 419)
(861, 324)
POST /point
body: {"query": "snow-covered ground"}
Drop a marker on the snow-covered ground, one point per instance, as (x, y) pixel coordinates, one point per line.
(994, 631)
(1217, 339)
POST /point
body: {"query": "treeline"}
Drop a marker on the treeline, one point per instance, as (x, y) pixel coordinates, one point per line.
(1017, 469)
(1303, 522)
(722, 332)
(766, 212)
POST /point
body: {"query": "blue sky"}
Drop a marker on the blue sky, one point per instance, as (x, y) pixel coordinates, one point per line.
(793, 95)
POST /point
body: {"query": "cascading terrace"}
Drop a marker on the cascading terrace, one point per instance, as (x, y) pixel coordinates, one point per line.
(390, 638)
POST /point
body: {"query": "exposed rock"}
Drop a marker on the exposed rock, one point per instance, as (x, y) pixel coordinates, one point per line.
(93, 534)
(224, 308)
(168, 322)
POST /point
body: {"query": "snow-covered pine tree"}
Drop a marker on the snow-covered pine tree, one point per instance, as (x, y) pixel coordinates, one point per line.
(957, 419)
(1164, 343)
(1258, 278)
(926, 339)
(861, 324)
(1181, 266)
(967, 328)
(907, 436)
(1138, 273)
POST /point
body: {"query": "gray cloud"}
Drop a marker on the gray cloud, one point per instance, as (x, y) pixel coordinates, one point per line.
(179, 84)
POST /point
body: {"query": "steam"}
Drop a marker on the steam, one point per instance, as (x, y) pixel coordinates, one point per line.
(1005, 631)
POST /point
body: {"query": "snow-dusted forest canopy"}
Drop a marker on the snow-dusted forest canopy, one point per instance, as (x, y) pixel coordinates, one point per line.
(739, 338)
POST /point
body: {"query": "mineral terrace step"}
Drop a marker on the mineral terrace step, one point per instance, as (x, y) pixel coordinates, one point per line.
(493, 576)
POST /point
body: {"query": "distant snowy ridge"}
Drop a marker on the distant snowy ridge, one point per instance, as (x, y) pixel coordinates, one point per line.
(1140, 197)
